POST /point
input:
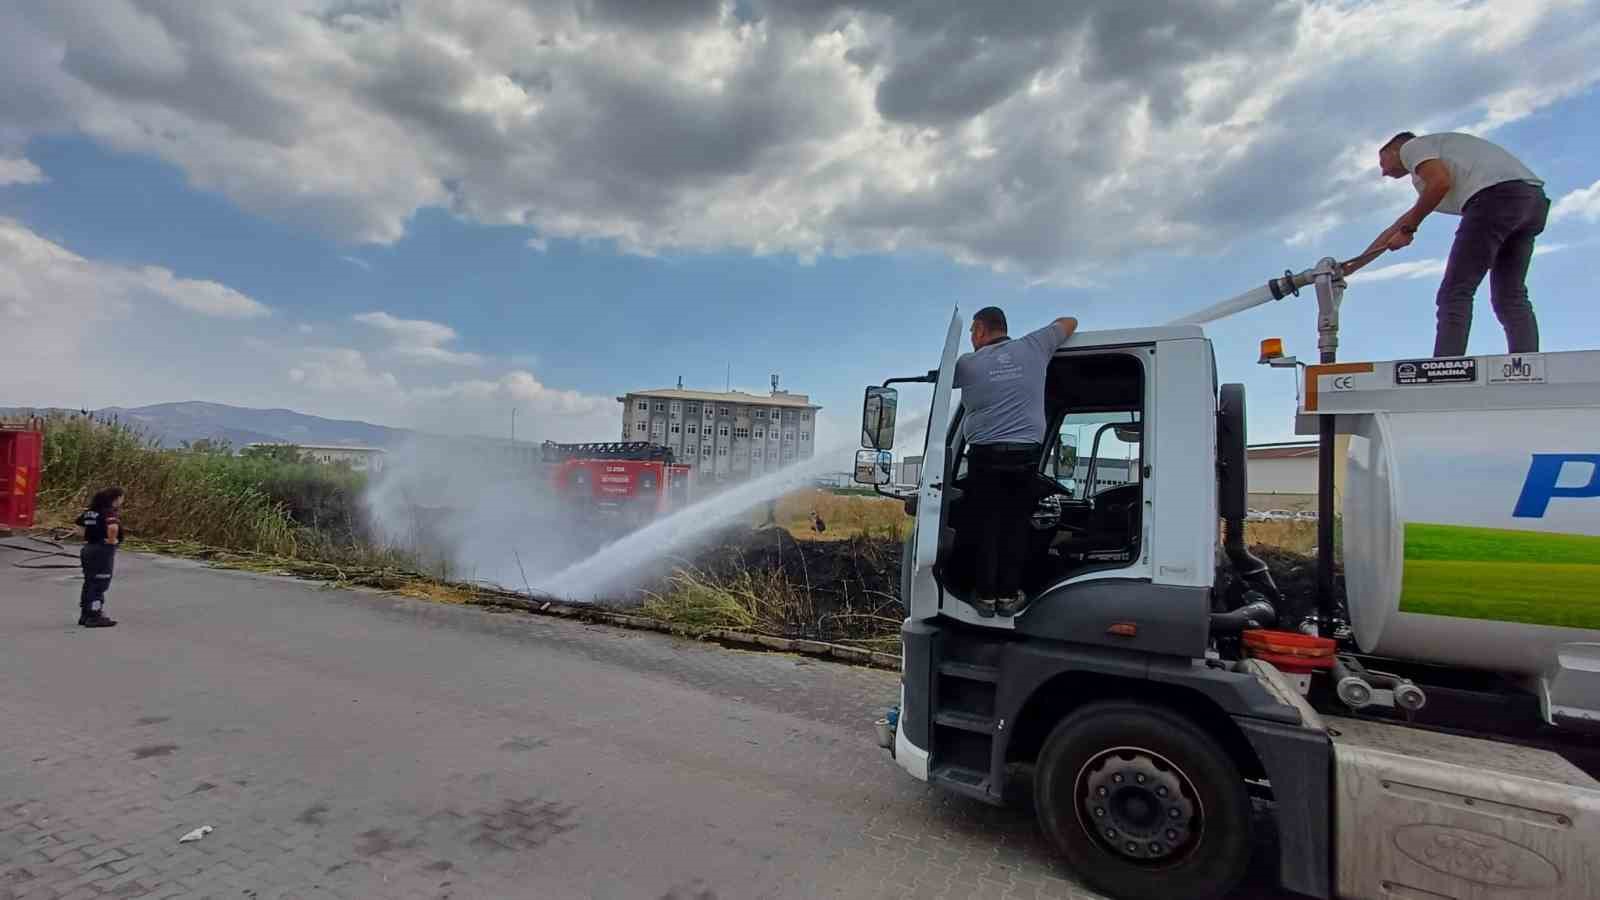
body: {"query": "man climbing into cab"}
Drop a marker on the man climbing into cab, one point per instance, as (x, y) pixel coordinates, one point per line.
(1002, 391)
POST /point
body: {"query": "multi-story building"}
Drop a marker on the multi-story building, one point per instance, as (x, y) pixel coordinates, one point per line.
(726, 436)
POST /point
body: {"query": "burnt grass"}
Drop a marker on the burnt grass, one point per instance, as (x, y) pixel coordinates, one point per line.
(843, 589)
(848, 589)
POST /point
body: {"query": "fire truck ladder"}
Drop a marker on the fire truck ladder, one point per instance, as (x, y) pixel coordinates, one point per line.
(634, 450)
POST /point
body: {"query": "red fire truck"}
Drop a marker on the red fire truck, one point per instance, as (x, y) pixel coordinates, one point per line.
(636, 481)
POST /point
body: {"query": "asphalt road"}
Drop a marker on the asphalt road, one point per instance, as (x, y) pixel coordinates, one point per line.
(354, 744)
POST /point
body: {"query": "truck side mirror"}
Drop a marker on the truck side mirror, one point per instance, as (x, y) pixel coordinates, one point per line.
(874, 467)
(877, 418)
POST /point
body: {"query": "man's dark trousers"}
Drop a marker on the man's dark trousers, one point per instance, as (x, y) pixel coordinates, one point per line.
(1001, 491)
(1496, 235)
(98, 562)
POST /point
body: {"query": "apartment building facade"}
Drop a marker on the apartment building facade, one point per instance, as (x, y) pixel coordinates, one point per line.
(726, 435)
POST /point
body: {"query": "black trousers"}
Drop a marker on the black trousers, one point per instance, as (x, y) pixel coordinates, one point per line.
(1001, 494)
(98, 562)
(1495, 237)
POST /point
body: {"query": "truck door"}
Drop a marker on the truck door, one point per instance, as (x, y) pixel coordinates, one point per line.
(925, 591)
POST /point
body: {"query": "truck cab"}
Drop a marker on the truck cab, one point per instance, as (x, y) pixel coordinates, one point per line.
(1122, 697)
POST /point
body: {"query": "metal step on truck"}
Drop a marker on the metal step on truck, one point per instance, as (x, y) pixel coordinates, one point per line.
(1428, 734)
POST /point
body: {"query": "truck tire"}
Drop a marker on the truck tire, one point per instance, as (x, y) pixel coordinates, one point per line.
(1143, 803)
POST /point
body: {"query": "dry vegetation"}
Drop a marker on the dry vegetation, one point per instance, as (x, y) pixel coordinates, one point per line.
(1293, 536)
(730, 586)
(845, 515)
(839, 584)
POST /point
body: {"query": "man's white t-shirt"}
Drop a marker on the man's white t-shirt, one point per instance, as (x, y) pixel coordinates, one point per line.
(1473, 163)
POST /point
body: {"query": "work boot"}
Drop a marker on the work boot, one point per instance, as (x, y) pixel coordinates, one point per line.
(1010, 606)
(984, 606)
(96, 620)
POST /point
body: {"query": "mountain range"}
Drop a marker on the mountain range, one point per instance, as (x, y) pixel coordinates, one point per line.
(173, 424)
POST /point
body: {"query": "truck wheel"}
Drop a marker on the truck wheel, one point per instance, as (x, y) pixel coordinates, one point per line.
(1143, 803)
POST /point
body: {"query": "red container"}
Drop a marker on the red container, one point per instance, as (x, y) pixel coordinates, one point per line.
(21, 453)
(1261, 642)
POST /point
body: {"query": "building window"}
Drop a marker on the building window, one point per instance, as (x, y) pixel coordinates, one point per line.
(708, 412)
(722, 410)
(805, 417)
(641, 428)
(705, 451)
(777, 414)
(761, 414)
(788, 453)
(760, 433)
(661, 406)
(676, 428)
(723, 431)
(804, 435)
(691, 409)
(755, 455)
(741, 432)
(723, 450)
(788, 434)
(694, 429)
(676, 406)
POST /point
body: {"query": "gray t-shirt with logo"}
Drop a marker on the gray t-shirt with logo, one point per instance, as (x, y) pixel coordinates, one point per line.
(1002, 388)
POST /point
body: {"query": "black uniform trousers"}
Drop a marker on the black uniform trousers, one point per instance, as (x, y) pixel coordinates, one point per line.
(1001, 494)
(98, 561)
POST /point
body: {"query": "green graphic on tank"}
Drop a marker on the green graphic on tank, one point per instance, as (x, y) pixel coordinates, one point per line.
(1534, 577)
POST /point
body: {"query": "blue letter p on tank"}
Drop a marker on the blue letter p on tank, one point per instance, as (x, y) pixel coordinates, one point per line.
(1544, 476)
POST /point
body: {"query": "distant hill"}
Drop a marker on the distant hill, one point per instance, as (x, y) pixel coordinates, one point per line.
(174, 423)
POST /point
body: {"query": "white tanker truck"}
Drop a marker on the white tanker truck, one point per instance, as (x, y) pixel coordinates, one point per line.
(1438, 742)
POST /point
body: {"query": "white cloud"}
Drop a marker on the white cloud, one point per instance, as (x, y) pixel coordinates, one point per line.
(205, 297)
(82, 332)
(419, 339)
(1432, 267)
(20, 170)
(1042, 137)
(1583, 203)
(44, 274)
(345, 376)
(85, 332)
(358, 262)
(1421, 268)
(340, 369)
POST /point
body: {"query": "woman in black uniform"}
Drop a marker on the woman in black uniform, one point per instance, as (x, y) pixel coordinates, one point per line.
(102, 528)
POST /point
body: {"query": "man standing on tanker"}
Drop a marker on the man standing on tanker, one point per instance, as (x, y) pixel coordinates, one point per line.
(1502, 206)
(1002, 391)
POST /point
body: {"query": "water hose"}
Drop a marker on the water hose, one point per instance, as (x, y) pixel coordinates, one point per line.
(57, 550)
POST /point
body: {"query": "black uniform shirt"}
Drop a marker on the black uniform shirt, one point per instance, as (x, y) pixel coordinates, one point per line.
(95, 525)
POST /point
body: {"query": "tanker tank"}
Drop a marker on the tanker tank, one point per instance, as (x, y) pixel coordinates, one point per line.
(1471, 511)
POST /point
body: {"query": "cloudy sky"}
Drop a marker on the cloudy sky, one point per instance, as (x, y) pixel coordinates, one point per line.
(430, 213)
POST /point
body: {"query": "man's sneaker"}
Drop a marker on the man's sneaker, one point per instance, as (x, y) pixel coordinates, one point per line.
(984, 606)
(96, 621)
(1010, 606)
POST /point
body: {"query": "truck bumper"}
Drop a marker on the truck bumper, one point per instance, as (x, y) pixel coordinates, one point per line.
(912, 758)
